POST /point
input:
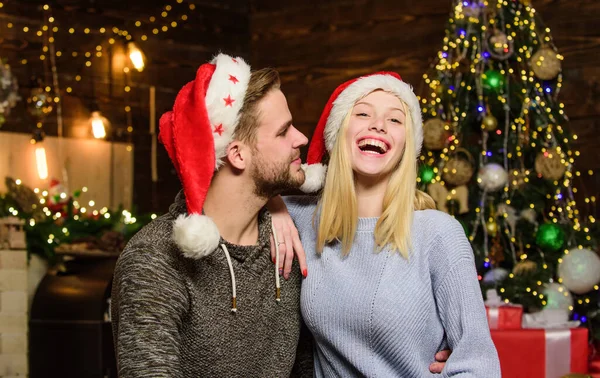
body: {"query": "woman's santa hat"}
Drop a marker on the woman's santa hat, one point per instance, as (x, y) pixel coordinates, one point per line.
(196, 134)
(341, 101)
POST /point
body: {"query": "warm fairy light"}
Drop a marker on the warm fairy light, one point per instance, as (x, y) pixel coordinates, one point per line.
(99, 124)
(41, 163)
(136, 56)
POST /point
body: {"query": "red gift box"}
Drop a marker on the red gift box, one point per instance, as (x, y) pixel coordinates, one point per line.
(504, 317)
(594, 365)
(541, 353)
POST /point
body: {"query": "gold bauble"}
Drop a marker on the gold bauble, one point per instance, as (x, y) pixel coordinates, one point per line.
(576, 375)
(492, 227)
(489, 123)
(458, 170)
(549, 164)
(524, 267)
(545, 63)
(435, 134)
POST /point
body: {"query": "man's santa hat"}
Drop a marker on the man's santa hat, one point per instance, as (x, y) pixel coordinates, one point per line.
(196, 134)
(341, 101)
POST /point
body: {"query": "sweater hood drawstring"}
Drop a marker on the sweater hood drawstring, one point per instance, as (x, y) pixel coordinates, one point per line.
(232, 273)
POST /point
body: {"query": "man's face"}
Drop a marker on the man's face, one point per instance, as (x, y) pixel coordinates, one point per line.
(276, 155)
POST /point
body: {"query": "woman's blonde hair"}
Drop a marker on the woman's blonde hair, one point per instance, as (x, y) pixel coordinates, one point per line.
(338, 207)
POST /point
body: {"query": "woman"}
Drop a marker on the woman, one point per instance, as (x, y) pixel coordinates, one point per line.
(390, 281)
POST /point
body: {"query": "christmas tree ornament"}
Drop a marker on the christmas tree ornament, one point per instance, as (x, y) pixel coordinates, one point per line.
(435, 134)
(579, 270)
(426, 173)
(545, 63)
(499, 46)
(9, 91)
(550, 164)
(57, 196)
(441, 195)
(524, 267)
(495, 275)
(550, 236)
(491, 226)
(489, 122)
(529, 215)
(40, 101)
(492, 79)
(509, 214)
(459, 167)
(471, 9)
(557, 297)
(492, 177)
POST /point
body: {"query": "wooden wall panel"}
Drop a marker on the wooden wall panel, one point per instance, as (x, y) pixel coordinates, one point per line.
(315, 45)
(173, 58)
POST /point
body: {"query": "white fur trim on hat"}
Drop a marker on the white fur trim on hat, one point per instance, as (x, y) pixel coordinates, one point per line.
(196, 235)
(362, 87)
(224, 99)
(314, 177)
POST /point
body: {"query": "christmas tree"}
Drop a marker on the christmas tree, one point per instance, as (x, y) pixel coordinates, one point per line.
(498, 156)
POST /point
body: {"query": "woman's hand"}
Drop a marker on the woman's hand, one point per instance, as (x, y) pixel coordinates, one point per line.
(288, 239)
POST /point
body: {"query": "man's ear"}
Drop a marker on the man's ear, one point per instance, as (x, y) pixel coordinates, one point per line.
(238, 154)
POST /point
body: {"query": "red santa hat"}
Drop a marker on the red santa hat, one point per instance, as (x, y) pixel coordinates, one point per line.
(196, 134)
(341, 101)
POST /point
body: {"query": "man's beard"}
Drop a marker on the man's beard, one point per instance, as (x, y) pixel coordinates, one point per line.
(271, 179)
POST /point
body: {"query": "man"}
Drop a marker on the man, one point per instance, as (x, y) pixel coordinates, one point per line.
(172, 311)
(194, 292)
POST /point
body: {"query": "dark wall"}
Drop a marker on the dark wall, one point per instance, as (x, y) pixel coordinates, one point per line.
(318, 45)
(315, 45)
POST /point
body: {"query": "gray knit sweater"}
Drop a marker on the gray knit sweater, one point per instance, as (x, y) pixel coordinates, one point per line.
(381, 315)
(172, 315)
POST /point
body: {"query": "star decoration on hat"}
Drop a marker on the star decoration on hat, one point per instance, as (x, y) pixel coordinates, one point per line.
(219, 129)
(228, 100)
(233, 79)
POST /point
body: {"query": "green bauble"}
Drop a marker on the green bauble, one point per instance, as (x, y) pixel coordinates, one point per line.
(550, 236)
(493, 79)
(426, 174)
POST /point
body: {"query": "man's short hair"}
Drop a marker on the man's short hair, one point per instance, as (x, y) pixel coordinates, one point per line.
(260, 84)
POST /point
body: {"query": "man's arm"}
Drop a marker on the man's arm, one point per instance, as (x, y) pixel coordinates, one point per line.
(148, 300)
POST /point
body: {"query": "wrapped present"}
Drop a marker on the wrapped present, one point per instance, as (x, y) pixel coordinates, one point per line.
(594, 362)
(542, 353)
(501, 315)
